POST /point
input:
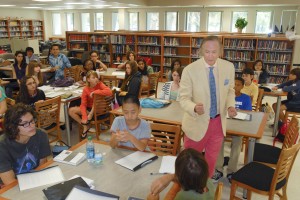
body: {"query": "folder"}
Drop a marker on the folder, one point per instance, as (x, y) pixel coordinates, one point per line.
(136, 160)
(79, 193)
(70, 157)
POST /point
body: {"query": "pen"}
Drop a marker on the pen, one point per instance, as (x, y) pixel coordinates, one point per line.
(157, 173)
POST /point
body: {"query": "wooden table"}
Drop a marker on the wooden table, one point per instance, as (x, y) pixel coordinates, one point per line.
(109, 177)
(173, 114)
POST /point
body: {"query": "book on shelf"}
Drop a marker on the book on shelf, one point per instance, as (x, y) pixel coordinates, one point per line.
(70, 157)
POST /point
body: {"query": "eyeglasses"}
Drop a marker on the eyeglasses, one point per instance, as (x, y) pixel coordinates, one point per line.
(27, 124)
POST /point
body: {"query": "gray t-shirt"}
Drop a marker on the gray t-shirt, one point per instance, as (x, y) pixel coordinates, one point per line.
(143, 131)
(22, 158)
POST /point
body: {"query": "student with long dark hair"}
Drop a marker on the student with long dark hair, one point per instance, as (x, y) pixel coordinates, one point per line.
(97, 64)
(29, 93)
(260, 72)
(34, 70)
(145, 71)
(174, 65)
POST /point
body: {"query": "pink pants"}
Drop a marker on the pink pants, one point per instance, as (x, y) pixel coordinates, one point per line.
(211, 143)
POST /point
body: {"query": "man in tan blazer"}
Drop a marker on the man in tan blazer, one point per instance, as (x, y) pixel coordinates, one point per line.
(204, 131)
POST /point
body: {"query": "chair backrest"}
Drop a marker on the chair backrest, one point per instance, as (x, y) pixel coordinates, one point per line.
(291, 134)
(10, 102)
(218, 193)
(284, 166)
(48, 113)
(259, 100)
(102, 105)
(141, 90)
(109, 81)
(153, 83)
(164, 138)
(72, 72)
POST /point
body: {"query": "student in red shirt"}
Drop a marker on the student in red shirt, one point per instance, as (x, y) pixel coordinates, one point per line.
(84, 113)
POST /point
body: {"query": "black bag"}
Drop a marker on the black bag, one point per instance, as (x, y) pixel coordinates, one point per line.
(66, 82)
(57, 149)
(61, 191)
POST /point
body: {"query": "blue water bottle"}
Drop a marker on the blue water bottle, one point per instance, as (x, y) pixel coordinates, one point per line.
(90, 150)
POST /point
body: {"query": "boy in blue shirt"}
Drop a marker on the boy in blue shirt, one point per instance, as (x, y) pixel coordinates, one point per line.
(242, 102)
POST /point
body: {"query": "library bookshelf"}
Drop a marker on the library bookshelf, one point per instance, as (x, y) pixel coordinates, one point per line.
(31, 29)
(164, 47)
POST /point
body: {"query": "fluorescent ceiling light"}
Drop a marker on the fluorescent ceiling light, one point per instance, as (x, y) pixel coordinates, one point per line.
(31, 7)
(46, 0)
(77, 3)
(7, 5)
(119, 7)
(37, 4)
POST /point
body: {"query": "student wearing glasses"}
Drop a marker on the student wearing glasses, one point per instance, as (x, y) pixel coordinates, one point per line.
(97, 64)
(23, 147)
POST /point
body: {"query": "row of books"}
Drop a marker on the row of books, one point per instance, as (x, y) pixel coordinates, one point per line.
(238, 55)
(168, 61)
(14, 29)
(122, 39)
(277, 80)
(100, 39)
(275, 57)
(196, 53)
(239, 66)
(169, 41)
(239, 43)
(100, 48)
(273, 45)
(104, 57)
(78, 47)
(149, 50)
(148, 40)
(4, 34)
(277, 69)
(196, 42)
(122, 49)
(170, 51)
(81, 38)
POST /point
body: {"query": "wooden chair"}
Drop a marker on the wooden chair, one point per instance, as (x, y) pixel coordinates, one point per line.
(258, 104)
(164, 138)
(290, 114)
(268, 154)
(265, 180)
(152, 84)
(72, 72)
(102, 107)
(48, 113)
(110, 81)
(176, 188)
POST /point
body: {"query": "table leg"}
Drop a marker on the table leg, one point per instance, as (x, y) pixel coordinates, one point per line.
(276, 119)
(251, 144)
(67, 123)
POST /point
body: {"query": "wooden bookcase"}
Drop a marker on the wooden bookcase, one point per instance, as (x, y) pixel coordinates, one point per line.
(164, 47)
(11, 28)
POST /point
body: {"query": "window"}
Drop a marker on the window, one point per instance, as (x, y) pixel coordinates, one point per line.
(263, 21)
(99, 21)
(214, 21)
(235, 16)
(115, 21)
(193, 21)
(85, 22)
(152, 21)
(56, 23)
(171, 21)
(70, 21)
(134, 21)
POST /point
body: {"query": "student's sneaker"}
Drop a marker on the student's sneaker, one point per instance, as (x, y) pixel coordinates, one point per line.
(217, 176)
(229, 177)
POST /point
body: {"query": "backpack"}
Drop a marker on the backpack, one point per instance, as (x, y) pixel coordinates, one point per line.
(153, 103)
(65, 82)
(282, 129)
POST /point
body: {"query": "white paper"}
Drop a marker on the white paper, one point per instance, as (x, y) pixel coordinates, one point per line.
(53, 94)
(70, 157)
(119, 73)
(43, 177)
(167, 165)
(77, 194)
(241, 116)
(135, 159)
(116, 88)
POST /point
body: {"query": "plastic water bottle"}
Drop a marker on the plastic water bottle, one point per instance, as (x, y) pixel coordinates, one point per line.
(90, 150)
(98, 158)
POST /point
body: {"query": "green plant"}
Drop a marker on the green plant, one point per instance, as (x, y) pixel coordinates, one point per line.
(241, 23)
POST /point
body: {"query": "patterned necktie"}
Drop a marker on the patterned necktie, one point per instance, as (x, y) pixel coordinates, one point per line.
(213, 96)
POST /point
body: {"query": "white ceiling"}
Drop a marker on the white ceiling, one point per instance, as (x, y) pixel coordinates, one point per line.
(110, 4)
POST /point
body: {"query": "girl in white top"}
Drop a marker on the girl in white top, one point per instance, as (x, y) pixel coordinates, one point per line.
(169, 90)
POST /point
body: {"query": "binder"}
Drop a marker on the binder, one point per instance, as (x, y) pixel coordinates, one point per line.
(79, 193)
(136, 160)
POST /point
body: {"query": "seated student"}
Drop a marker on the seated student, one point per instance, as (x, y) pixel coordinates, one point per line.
(292, 87)
(145, 71)
(174, 65)
(130, 56)
(34, 70)
(19, 70)
(87, 66)
(23, 147)
(169, 90)
(3, 107)
(97, 64)
(262, 74)
(191, 172)
(250, 88)
(29, 93)
(84, 113)
(129, 130)
(30, 55)
(242, 102)
(58, 61)
(132, 82)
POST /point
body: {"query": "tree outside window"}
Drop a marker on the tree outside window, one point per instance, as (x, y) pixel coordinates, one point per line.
(193, 21)
(85, 22)
(99, 22)
(263, 21)
(171, 21)
(152, 21)
(56, 24)
(214, 21)
(134, 21)
(70, 21)
(115, 21)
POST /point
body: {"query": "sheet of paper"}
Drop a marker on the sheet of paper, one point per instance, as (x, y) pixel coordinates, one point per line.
(135, 159)
(46, 176)
(241, 116)
(118, 73)
(78, 193)
(167, 164)
(53, 94)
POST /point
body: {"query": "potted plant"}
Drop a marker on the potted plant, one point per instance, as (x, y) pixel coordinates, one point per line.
(240, 24)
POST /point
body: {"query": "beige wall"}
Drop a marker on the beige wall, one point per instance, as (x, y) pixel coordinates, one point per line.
(25, 13)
